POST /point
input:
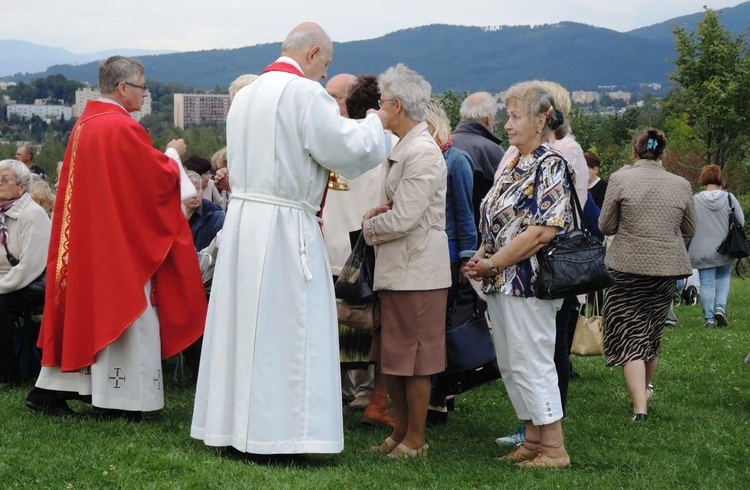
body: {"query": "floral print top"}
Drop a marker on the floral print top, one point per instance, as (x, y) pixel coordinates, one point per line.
(532, 190)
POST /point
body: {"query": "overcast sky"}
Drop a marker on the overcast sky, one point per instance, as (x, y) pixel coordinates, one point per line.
(83, 26)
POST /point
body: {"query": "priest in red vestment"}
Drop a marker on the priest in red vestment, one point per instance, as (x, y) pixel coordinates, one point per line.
(124, 289)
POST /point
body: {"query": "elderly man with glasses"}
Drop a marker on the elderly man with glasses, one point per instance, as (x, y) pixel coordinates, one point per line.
(114, 254)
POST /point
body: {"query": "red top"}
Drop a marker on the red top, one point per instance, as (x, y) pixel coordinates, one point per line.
(117, 223)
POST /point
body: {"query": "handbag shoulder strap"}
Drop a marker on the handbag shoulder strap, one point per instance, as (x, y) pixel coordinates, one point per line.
(578, 221)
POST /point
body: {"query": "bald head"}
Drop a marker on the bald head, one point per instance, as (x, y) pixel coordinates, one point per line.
(309, 45)
(338, 87)
(480, 107)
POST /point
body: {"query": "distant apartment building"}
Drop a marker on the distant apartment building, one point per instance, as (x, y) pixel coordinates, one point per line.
(83, 95)
(585, 97)
(6, 85)
(45, 112)
(200, 109)
(620, 95)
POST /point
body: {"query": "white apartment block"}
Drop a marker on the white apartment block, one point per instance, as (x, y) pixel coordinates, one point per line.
(200, 109)
(584, 97)
(83, 95)
(620, 95)
(45, 112)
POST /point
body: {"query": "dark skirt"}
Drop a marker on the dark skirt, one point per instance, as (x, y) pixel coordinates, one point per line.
(411, 339)
(635, 309)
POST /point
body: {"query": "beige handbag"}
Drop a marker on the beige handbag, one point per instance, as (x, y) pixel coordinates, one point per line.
(359, 316)
(588, 339)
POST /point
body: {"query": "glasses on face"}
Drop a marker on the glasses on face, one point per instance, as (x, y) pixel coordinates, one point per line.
(144, 87)
(382, 101)
(5, 179)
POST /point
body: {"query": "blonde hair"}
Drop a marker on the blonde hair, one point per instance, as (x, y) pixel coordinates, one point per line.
(219, 160)
(240, 82)
(562, 102)
(438, 119)
(536, 100)
(42, 194)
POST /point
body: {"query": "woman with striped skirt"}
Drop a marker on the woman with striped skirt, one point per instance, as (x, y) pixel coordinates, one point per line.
(649, 210)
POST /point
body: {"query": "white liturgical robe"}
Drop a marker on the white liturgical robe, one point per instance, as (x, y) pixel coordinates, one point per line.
(269, 379)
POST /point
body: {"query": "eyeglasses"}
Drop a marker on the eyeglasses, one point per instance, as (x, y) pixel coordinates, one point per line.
(381, 101)
(5, 180)
(144, 88)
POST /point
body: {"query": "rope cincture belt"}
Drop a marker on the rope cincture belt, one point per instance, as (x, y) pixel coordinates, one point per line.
(288, 203)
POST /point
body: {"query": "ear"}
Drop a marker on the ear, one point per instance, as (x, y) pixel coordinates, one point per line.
(312, 53)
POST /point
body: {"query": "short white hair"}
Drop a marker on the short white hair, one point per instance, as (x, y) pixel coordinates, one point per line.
(240, 82)
(21, 171)
(307, 36)
(402, 83)
(478, 106)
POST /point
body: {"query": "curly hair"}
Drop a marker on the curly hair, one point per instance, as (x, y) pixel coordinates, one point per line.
(364, 94)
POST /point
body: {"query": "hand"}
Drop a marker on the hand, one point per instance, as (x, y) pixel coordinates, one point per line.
(179, 145)
(478, 268)
(221, 179)
(383, 208)
(381, 114)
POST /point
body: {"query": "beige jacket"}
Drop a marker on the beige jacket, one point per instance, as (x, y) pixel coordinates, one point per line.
(29, 229)
(411, 246)
(649, 210)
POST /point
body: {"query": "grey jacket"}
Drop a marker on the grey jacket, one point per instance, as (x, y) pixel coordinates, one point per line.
(711, 227)
(649, 210)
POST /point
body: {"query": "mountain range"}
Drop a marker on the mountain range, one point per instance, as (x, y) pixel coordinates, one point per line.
(23, 57)
(456, 58)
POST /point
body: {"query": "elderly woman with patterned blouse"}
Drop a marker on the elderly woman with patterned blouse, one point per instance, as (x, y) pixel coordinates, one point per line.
(526, 207)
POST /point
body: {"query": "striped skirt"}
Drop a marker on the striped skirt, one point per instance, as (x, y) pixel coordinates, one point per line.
(635, 309)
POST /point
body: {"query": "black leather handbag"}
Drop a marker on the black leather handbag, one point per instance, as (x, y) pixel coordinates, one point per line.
(573, 262)
(471, 356)
(735, 244)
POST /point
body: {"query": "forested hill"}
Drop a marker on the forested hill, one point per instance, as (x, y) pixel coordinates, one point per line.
(452, 57)
(735, 19)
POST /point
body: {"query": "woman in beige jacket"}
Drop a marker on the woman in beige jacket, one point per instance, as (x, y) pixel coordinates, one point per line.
(412, 265)
(649, 210)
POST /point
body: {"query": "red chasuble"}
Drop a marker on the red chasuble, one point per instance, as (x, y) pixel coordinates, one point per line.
(117, 223)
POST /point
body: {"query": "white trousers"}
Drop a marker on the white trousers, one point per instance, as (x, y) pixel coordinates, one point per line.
(126, 374)
(523, 330)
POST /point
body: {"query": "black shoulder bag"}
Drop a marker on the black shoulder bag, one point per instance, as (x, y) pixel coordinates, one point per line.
(573, 262)
(735, 244)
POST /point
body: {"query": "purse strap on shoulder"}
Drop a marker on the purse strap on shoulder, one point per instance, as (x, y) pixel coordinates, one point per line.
(578, 221)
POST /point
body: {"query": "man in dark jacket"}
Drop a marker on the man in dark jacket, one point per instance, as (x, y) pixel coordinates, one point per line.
(474, 135)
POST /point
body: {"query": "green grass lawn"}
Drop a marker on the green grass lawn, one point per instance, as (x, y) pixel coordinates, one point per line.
(697, 435)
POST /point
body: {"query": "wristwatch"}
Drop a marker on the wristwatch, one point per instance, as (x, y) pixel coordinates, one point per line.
(493, 268)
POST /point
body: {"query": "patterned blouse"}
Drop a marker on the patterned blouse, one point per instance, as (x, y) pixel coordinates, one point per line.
(531, 190)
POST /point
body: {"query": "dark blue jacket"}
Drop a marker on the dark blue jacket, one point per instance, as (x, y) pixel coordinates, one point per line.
(205, 223)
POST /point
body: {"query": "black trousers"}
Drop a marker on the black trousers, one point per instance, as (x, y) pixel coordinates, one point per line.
(12, 306)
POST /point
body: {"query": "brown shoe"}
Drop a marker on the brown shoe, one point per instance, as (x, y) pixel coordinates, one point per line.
(520, 454)
(378, 413)
(543, 461)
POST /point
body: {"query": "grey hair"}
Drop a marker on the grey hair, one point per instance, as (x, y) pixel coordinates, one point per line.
(29, 149)
(194, 177)
(402, 83)
(478, 106)
(438, 119)
(307, 36)
(118, 69)
(21, 171)
(239, 82)
(535, 100)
